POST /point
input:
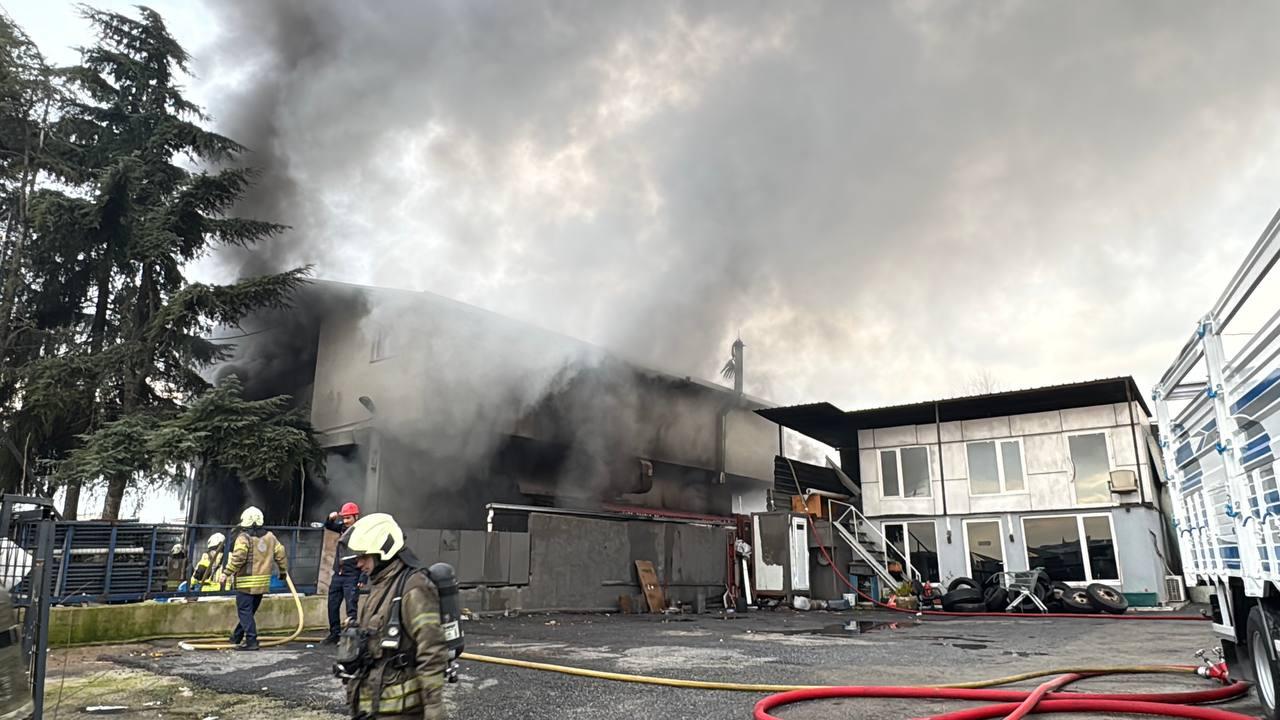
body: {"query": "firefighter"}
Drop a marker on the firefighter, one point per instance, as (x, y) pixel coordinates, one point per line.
(202, 578)
(398, 654)
(249, 569)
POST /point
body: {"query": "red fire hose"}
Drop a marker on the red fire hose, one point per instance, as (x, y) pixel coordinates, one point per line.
(1013, 704)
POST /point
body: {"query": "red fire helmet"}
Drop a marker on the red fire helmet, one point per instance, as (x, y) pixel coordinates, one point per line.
(350, 508)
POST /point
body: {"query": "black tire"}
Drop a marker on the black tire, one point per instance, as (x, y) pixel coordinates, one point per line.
(1107, 599)
(995, 598)
(1077, 601)
(959, 596)
(1266, 679)
(962, 582)
(968, 608)
(1057, 589)
(1043, 587)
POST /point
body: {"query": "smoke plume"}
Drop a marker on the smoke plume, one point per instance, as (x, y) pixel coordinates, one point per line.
(881, 197)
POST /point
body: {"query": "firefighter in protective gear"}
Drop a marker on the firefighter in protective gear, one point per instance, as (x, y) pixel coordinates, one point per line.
(249, 570)
(203, 577)
(399, 627)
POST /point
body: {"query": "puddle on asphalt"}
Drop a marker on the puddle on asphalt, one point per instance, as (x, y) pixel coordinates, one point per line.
(852, 627)
(962, 645)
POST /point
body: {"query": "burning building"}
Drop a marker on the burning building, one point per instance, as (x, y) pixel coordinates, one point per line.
(433, 409)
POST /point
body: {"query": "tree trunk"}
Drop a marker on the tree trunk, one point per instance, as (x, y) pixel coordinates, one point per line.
(71, 503)
(115, 497)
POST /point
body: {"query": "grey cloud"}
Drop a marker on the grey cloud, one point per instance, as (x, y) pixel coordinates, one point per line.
(880, 197)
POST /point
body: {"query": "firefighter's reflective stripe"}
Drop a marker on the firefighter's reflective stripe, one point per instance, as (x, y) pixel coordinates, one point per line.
(252, 582)
(399, 697)
(421, 620)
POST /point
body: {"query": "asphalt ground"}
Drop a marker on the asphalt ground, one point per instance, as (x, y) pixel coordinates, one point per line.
(781, 647)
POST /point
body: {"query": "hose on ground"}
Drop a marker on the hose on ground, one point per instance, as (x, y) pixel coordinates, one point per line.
(758, 687)
(219, 644)
(1009, 703)
(947, 613)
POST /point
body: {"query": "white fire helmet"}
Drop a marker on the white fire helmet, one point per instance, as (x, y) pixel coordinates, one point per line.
(377, 534)
(215, 540)
(251, 517)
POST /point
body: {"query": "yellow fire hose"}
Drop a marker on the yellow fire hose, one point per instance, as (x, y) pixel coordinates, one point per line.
(765, 688)
(219, 644)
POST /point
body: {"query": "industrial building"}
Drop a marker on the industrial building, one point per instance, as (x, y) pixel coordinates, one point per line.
(1060, 477)
(434, 410)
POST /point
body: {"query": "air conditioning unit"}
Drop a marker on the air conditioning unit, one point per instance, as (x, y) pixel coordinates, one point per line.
(1124, 481)
(1175, 589)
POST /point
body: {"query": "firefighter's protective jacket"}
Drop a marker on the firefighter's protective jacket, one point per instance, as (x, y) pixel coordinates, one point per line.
(252, 556)
(411, 677)
(204, 577)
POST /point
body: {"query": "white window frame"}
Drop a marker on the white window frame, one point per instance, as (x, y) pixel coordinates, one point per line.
(1071, 464)
(906, 542)
(902, 485)
(1022, 459)
(964, 530)
(1084, 545)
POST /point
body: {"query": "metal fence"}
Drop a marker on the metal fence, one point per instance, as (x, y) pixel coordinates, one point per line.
(104, 562)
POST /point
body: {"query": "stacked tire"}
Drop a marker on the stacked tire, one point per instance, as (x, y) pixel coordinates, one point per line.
(966, 595)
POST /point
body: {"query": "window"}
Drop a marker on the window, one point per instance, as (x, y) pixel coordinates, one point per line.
(1077, 548)
(904, 472)
(992, 472)
(985, 549)
(1091, 468)
(920, 549)
(382, 347)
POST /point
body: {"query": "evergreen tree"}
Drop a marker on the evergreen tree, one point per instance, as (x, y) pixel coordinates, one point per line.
(137, 352)
(32, 295)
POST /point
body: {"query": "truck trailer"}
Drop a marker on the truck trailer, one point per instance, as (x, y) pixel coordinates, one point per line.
(1218, 408)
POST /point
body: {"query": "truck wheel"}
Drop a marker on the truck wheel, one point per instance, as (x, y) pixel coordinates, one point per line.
(1107, 598)
(1077, 601)
(1266, 678)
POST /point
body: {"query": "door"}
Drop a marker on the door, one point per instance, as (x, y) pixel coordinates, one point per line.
(984, 549)
(799, 554)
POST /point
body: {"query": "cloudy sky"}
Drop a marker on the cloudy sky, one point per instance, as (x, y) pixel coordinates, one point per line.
(884, 199)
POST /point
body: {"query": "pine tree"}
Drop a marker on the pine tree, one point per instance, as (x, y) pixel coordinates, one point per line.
(30, 157)
(143, 341)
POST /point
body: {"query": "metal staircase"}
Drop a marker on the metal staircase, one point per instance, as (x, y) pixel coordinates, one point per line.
(871, 554)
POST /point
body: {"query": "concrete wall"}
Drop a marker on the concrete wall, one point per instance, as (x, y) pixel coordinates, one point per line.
(586, 563)
(152, 620)
(1046, 458)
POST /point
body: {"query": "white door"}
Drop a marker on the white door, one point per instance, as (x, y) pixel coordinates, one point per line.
(799, 554)
(983, 549)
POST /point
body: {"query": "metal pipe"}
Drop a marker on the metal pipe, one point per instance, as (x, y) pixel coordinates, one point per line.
(942, 475)
(1128, 401)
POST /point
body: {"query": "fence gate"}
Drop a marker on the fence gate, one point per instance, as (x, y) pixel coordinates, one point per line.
(26, 570)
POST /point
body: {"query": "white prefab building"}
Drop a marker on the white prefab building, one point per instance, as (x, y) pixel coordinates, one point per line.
(1058, 477)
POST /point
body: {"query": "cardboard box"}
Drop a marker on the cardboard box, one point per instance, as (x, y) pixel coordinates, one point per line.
(814, 505)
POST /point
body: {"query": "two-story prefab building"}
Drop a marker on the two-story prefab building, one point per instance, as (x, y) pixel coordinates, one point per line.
(1057, 477)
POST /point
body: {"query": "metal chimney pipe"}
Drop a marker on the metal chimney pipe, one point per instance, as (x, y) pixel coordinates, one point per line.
(737, 365)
